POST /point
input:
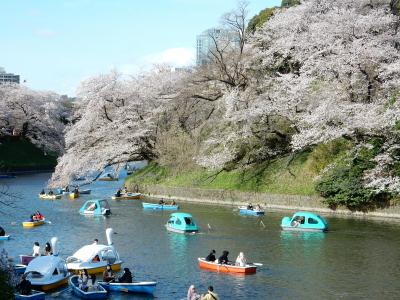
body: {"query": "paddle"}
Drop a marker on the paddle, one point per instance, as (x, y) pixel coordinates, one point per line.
(257, 264)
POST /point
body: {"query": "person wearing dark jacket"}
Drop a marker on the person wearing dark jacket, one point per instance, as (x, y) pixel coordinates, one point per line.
(126, 277)
(24, 286)
(2, 232)
(223, 259)
(211, 256)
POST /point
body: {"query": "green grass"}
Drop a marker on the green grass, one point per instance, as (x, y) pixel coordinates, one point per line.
(17, 154)
(291, 174)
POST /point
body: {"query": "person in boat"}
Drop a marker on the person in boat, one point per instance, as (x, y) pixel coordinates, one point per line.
(211, 256)
(210, 294)
(38, 215)
(92, 285)
(250, 206)
(83, 280)
(241, 260)
(191, 294)
(47, 249)
(42, 192)
(173, 202)
(24, 287)
(258, 207)
(126, 277)
(51, 192)
(95, 241)
(2, 231)
(36, 249)
(96, 259)
(223, 259)
(161, 202)
(125, 190)
(66, 189)
(108, 274)
(92, 207)
(118, 193)
(32, 218)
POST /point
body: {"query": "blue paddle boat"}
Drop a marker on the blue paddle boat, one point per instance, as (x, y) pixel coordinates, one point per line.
(182, 223)
(4, 237)
(96, 293)
(95, 208)
(19, 269)
(251, 211)
(143, 287)
(304, 221)
(160, 206)
(35, 295)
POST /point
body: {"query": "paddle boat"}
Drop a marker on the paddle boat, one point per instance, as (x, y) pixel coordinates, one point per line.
(304, 221)
(85, 192)
(26, 259)
(52, 196)
(95, 257)
(30, 224)
(19, 268)
(127, 196)
(160, 206)
(47, 273)
(108, 177)
(98, 293)
(182, 223)
(5, 237)
(95, 208)
(143, 287)
(250, 210)
(74, 195)
(214, 266)
(35, 295)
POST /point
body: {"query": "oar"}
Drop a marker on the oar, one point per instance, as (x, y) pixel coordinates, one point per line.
(257, 264)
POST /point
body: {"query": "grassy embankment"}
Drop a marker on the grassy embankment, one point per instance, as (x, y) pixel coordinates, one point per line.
(19, 154)
(291, 174)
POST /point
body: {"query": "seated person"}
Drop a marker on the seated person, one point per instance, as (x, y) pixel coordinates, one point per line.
(32, 218)
(47, 249)
(223, 259)
(66, 189)
(241, 260)
(96, 259)
(108, 274)
(250, 206)
(36, 249)
(211, 256)
(2, 231)
(42, 192)
(126, 277)
(161, 202)
(92, 207)
(125, 190)
(51, 192)
(173, 202)
(118, 193)
(83, 280)
(296, 222)
(24, 286)
(258, 207)
(92, 285)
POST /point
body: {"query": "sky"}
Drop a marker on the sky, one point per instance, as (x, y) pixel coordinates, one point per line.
(55, 44)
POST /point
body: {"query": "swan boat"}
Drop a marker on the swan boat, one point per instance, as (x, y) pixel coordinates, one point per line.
(95, 257)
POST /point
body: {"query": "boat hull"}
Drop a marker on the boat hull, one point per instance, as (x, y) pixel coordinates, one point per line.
(97, 270)
(203, 264)
(183, 231)
(290, 228)
(101, 293)
(35, 295)
(4, 237)
(73, 195)
(159, 206)
(47, 287)
(19, 268)
(251, 212)
(85, 192)
(134, 196)
(51, 197)
(29, 224)
(135, 287)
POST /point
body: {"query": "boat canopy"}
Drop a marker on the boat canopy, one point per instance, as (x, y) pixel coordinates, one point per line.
(46, 267)
(88, 252)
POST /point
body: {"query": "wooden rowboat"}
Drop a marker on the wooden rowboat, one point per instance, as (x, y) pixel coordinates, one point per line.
(144, 287)
(52, 197)
(209, 265)
(98, 293)
(127, 196)
(35, 295)
(29, 224)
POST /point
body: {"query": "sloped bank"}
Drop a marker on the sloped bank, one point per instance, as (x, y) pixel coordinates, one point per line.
(271, 201)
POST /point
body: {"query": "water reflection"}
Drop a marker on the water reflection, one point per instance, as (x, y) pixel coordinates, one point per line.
(302, 235)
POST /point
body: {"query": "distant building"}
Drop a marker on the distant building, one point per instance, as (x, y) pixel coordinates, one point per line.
(8, 77)
(205, 42)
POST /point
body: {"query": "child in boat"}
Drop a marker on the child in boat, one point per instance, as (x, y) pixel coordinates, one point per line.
(108, 274)
(126, 277)
(47, 249)
(241, 260)
(83, 280)
(24, 286)
(211, 256)
(191, 294)
(36, 249)
(223, 259)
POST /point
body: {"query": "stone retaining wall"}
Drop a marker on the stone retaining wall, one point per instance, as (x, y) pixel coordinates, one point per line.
(272, 201)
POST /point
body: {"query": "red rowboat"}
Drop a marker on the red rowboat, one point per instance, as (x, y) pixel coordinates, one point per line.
(209, 265)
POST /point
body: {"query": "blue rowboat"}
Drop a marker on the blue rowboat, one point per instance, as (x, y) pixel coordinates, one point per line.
(4, 237)
(244, 210)
(99, 293)
(83, 192)
(35, 295)
(159, 206)
(143, 287)
(19, 269)
(304, 221)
